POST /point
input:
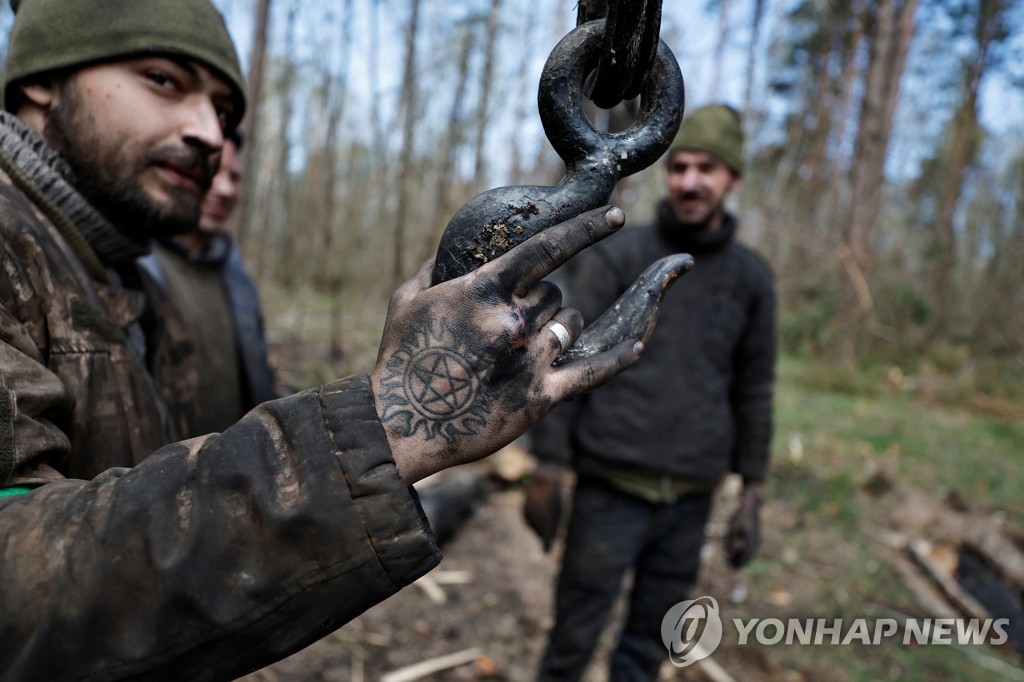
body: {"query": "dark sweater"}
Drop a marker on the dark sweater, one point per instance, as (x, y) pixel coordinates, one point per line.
(698, 404)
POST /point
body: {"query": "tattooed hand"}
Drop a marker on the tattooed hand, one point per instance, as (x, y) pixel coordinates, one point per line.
(464, 367)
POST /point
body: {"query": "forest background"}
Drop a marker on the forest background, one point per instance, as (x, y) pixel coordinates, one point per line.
(885, 178)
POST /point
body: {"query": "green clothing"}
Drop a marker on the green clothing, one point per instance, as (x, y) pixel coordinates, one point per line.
(49, 35)
(653, 486)
(715, 129)
(205, 308)
(14, 491)
(138, 557)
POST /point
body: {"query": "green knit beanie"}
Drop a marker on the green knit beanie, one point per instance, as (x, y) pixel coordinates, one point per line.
(57, 34)
(715, 129)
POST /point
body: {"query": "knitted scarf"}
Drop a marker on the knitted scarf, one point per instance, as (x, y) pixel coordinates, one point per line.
(40, 172)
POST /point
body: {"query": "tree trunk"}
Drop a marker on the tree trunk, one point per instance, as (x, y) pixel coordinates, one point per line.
(963, 145)
(452, 140)
(257, 62)
(891, 34)
(332, 223)
(284, 244)
(486, 88)
(407, 106)
(723, 39)
(844, 111)
(523, 101)
(755, 37)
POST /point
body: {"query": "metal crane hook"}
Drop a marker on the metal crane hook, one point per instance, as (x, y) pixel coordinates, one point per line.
(496, 221)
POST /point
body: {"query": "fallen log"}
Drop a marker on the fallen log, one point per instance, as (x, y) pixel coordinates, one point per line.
(920, 551)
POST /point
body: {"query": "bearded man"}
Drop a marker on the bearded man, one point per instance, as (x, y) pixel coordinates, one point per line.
(123, 553)
(650, 447)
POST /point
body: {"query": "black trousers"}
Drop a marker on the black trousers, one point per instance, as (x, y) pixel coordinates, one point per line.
(610, 532)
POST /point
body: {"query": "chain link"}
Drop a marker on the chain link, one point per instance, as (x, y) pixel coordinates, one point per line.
(632, 29)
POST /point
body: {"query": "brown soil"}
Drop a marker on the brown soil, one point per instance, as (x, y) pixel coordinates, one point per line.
(503, 609)
(501, 601)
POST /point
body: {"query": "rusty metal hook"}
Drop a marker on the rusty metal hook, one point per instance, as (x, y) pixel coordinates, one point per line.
(496, 221)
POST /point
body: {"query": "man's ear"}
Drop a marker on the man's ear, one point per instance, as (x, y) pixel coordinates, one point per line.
(37, 96)
(38, 92)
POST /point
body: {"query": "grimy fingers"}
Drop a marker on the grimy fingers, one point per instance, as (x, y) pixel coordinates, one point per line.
(586, 374)
(572, 320)
(540, 255)
(420, 281)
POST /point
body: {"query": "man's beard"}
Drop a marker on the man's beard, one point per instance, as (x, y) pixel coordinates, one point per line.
(108, 178)
(702, 221)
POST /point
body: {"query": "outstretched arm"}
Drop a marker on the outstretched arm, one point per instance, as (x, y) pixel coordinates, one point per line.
(221, 554)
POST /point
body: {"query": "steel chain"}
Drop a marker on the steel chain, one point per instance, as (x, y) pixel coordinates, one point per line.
(630, 45)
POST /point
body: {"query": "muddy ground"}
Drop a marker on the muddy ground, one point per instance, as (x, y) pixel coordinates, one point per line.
(497, 584)
(490, 600)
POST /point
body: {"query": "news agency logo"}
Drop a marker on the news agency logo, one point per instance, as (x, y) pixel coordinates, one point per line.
(691, 630)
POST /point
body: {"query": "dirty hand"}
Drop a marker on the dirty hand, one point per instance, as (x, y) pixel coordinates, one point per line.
(464, 367)
(743, 537)
(542, 508)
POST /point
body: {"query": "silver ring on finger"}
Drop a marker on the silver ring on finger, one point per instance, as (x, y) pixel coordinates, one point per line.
(561, 333)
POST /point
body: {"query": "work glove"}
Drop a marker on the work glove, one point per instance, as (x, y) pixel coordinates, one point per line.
(543, 507)
(743, 537)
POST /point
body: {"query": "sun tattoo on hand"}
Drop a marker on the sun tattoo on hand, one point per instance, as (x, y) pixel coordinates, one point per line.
(432, 384)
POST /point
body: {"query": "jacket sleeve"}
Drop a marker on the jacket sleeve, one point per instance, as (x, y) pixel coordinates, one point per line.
(212, 558)
(752, 384)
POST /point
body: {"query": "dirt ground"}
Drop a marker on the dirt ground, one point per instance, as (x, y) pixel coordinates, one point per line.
(490, 602)
(497, 586)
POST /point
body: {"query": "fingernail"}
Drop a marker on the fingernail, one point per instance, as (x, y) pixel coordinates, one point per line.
(615, 216)
(638, 348)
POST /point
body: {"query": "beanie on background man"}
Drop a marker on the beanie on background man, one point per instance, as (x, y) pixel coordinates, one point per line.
(714, 129)
(49, 35)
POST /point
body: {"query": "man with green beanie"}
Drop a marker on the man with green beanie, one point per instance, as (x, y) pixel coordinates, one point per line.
(650, 447)
(126, 554)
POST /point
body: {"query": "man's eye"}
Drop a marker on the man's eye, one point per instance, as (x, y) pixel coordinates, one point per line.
(224, 116)
(160, 79)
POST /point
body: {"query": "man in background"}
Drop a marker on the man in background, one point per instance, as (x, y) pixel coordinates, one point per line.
(650, 447)
(204, 276)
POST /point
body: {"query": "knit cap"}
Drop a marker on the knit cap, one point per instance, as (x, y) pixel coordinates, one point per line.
(56, 34)
(715, 129)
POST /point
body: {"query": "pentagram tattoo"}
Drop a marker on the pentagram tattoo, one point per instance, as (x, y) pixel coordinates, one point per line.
(432, 384)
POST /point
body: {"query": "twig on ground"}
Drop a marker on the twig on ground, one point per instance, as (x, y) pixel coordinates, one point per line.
(432, 665)
(710, 668)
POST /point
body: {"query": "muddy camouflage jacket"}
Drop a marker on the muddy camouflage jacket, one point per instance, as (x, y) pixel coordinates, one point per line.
(203, 559)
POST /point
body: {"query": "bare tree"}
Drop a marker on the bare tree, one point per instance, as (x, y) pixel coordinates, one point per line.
(257, 68)
(890, 37)
(989, 17)
(723, 40)
(407, 106)
(755, 37)
(486, 88)
(453, 136)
